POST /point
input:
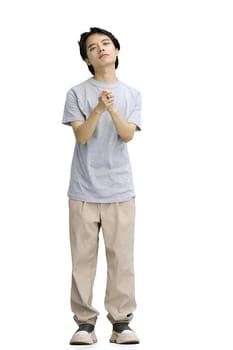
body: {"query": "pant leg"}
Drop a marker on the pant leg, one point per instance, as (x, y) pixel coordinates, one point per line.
(84, 236)
(118, 221)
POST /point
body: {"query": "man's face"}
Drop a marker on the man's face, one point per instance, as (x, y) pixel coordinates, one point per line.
(101, 51)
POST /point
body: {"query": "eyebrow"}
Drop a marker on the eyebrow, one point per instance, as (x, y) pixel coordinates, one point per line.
(93, 44)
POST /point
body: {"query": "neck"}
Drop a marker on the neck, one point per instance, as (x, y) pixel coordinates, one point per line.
(106, 75)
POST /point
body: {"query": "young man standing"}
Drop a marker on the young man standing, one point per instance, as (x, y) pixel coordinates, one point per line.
(104, 114)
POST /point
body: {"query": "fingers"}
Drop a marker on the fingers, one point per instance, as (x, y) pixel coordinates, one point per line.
(107, 98)
(107, 94)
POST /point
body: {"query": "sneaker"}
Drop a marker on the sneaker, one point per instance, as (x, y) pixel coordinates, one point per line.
(85, 335)
(123, 334)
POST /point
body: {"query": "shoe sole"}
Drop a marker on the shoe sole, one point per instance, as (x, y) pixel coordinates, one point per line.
(126, 342)
(115, 339)
(83, 342)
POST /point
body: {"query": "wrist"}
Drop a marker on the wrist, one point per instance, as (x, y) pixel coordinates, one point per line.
(112, 110)
(98, 110)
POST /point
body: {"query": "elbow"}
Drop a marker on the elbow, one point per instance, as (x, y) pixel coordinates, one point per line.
(128, 138)
(129, 134)
(81, 141)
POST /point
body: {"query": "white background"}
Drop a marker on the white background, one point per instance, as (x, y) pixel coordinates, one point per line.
(179, 54)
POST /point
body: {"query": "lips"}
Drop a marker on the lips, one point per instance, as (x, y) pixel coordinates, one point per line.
(103, 55)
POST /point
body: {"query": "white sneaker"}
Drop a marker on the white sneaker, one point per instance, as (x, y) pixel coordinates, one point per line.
(122, 334)
(85, 335)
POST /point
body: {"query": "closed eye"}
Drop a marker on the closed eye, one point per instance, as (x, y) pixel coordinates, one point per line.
(92, 48)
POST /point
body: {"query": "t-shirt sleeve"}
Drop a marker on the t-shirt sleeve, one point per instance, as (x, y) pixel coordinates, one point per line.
(72, 111)
(135, 116)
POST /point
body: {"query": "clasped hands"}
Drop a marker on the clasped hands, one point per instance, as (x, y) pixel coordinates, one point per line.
(106, 100)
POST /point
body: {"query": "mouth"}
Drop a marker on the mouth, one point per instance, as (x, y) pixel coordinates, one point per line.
(103, 55)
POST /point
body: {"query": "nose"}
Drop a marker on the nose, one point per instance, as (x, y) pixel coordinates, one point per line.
(101, 49)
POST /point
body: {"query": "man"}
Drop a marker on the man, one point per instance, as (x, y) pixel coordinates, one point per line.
(104, 114)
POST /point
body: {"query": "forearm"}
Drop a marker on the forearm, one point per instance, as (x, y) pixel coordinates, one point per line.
(124, 129)
(84, 131)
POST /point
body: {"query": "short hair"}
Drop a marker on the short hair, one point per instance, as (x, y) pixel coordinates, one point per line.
(83, 40)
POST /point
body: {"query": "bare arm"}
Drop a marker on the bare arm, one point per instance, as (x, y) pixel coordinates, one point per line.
(83, 130)
(124, 129)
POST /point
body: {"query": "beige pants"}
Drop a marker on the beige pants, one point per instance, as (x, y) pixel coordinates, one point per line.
(117, 223)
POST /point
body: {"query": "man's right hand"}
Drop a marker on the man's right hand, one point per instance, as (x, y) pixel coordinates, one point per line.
(106, 100)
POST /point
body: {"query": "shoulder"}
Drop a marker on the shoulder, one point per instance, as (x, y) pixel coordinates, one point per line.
(129, 88)
(78, 91)
(130, 92)
(79, 86)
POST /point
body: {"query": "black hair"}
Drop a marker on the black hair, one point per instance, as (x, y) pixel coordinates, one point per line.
(83, 40)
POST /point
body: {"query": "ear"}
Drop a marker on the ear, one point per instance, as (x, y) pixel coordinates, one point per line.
(87, 61)
(117, 52)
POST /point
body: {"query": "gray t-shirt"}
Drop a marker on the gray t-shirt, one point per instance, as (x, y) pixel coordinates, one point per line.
(101, 169)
